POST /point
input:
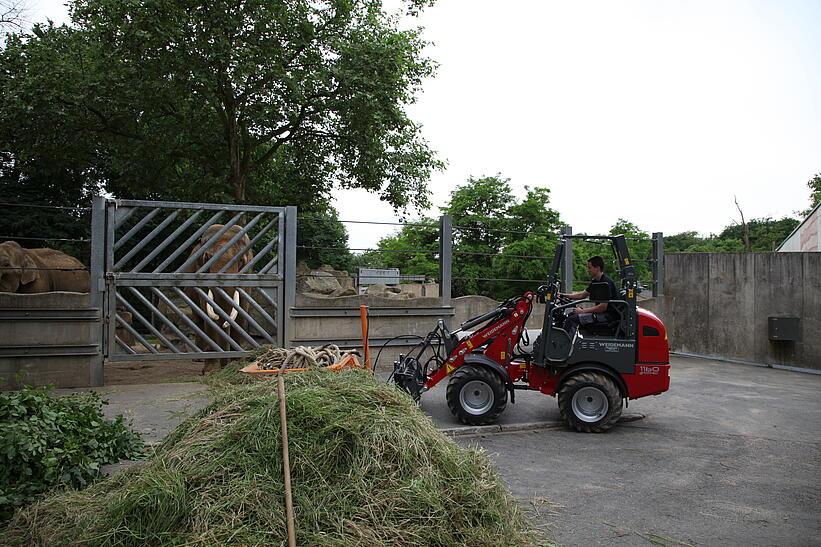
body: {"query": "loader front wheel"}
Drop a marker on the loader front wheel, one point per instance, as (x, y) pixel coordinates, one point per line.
(590, 402)
(476, 395)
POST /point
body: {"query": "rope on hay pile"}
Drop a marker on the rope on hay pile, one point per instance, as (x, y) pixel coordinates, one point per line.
(299, 357)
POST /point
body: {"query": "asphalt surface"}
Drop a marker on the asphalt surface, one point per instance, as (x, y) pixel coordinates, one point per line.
(153, 410)
(731, 455)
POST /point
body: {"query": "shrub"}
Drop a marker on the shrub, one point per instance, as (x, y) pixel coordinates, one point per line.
(48, 441)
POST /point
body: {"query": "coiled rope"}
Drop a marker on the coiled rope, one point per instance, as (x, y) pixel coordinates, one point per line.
(299, 357)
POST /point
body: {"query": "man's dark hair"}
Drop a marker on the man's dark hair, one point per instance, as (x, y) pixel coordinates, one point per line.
(597, 261)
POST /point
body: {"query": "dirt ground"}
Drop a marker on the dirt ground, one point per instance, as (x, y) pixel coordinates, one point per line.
(152, 372)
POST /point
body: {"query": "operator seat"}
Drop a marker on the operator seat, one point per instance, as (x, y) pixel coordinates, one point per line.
(611, 329)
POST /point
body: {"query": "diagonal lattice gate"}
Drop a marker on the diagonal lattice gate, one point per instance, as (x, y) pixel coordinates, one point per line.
(192, 280)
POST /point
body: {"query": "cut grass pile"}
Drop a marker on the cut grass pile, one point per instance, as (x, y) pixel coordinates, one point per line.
(367, 468)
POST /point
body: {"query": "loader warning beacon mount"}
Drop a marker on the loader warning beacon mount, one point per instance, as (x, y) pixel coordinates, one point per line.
(593, 370)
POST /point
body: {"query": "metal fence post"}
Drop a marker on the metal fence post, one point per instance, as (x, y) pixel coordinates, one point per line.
(290, 274)
(567, 260)
(97, 288)
(658, 271)
(445, 258)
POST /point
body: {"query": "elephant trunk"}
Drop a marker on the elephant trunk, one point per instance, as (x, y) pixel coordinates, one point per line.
(234, 309)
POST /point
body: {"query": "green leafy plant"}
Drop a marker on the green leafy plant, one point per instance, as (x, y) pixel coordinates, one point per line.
(48, 441)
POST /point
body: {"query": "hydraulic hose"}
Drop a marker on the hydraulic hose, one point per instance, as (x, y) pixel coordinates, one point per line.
(492, 314)
(401, 337)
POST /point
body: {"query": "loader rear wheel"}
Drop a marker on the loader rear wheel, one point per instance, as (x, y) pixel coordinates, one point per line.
(590, 402)
(476, 395)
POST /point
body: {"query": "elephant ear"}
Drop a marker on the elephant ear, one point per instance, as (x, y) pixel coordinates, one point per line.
(30, 271)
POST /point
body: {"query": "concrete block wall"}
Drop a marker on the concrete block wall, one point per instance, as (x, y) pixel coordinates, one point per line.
(718, 304)
(49, 338)
(336, 320)
(421, 289)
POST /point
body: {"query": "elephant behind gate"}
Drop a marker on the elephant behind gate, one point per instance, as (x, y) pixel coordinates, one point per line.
(237, 256)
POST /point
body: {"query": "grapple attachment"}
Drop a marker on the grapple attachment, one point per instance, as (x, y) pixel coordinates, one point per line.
(409, 375)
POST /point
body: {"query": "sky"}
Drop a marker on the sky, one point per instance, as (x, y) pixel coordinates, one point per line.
(659, 112)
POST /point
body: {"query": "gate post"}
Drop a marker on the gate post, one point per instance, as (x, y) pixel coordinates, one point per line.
(567, 260)
(658, 272)
(290, 275)
(445, 258)
(97, 288)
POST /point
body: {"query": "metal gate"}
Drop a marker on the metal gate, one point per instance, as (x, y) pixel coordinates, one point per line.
(193, 280)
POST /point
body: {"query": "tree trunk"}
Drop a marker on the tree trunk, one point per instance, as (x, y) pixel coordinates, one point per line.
(744, 226)
(237, 181)
(239, 165)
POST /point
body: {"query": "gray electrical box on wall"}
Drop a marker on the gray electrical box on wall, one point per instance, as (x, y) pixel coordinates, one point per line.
(783, 329)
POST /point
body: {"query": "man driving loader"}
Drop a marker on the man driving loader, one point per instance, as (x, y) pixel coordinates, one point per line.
(601, 287)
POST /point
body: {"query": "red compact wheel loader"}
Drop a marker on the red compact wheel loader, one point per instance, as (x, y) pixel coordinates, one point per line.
(593, 370)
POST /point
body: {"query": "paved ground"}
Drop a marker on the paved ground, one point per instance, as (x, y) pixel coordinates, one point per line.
(153, 410)
(731, 455)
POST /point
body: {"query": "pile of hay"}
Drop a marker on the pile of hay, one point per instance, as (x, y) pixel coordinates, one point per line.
(367, 468)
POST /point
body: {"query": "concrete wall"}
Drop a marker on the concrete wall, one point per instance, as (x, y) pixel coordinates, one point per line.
(421, 289)
(50, 338)
(336, 320)
(718, 304)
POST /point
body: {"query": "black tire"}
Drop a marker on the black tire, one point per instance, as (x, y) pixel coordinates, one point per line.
(485, 397)
(590, 402)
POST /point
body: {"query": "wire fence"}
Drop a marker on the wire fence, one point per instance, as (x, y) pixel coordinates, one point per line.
(41, 206)
(38, 225)
(498, 271)
(479, 262)
(75, 239)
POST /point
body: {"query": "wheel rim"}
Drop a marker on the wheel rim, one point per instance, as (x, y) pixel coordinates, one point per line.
(590, 404)
(476, 397)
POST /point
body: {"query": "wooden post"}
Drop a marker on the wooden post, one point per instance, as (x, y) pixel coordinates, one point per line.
(286, 463)
(363, 316)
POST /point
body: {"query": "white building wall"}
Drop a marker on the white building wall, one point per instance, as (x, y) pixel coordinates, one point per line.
(807, 237)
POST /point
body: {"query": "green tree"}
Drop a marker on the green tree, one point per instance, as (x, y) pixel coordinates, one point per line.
(397, 250)
(691, 242)
(638, 243)
(814, 184)
(533, 214)
(258, 102)
(66, 227)
(478, 209)
(641, 250)
(765, 236)
(681, 242)
(322, 239)
(527, 260)
(765, 233)
(495, 237)
(166, 98)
